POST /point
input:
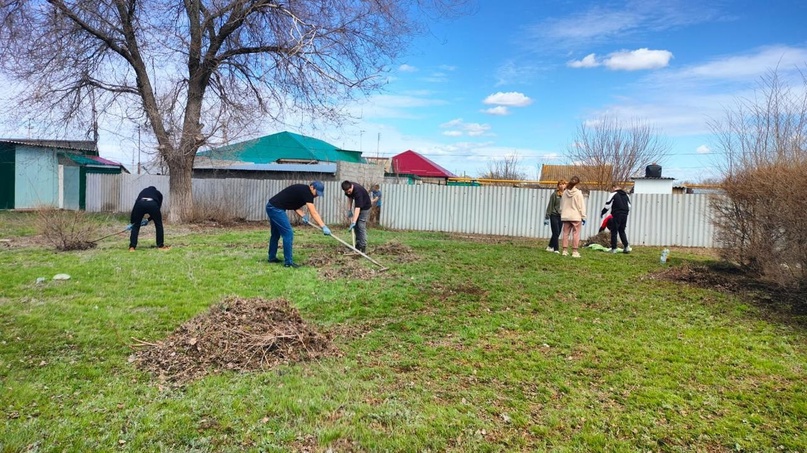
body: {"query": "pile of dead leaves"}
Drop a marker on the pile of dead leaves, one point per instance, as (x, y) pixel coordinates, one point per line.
(238, 335)
(399, 252)
(603, 238)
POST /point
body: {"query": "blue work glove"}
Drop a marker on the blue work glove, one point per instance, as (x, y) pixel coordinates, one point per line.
(326, 231)
(584, 222)
(129, 227)
(305, 219)
(352, 225)
(144, 222)
(546, 222)
(348, 214)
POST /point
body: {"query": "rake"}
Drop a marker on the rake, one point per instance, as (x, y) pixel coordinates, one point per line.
(143, 223)
(383, 268)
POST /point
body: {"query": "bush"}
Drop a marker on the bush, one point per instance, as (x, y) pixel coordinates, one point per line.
(762, 222)
(66, 230)
(219, 211)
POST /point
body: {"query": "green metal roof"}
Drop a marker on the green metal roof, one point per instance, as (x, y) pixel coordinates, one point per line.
(283, 145)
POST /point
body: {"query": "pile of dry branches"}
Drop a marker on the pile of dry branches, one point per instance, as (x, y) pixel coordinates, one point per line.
(237, 334)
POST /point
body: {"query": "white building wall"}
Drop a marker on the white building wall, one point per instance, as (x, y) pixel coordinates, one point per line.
(662, 186)
(36, 179)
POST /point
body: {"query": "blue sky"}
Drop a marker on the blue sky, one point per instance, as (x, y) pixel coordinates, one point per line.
(517, 78)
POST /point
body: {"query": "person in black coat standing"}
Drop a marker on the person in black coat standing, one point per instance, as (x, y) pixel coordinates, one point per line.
(359, 211)
(619, 204)
(148, 202)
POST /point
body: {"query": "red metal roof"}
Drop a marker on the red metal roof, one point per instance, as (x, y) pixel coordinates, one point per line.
(412, 163)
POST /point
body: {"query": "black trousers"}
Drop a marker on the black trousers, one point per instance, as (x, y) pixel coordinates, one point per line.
(620, 220)
(556, 225)
(141, 208)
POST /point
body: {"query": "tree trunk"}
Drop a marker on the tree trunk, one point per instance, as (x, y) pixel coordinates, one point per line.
(180, 184)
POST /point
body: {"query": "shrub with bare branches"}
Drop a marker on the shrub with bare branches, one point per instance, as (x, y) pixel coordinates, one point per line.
(66, 230)
(762, 220)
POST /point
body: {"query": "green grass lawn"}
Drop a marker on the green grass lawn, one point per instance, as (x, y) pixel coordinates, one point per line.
(478, 344)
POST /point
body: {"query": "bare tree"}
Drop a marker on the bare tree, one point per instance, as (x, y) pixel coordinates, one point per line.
(198, 71)
(762, 220)
(506, 168)
(613, 150)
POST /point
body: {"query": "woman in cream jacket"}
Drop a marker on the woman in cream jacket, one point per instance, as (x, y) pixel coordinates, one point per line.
(573, 215)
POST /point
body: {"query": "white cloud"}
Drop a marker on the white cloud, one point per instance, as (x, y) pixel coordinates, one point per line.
(600, 23)
(749, 65)
(407, 68)
(436, 77)
(453, 123)
(626, 60)
(512, 99)
(499, 110)
(703, 149)
(639, 59)
(394, 106)
(589, 61)
(477, 129)
(458, 127)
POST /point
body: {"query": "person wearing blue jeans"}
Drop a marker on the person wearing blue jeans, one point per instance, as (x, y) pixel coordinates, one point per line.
(292, 198)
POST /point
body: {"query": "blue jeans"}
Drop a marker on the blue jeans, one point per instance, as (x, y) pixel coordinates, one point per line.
(279, 222)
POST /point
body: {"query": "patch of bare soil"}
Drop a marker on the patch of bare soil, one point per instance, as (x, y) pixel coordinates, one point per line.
(238, 335)
(493, 239)
(781, 303)
(397, 252)
(341, 262)
(76, 245)
(17, 242)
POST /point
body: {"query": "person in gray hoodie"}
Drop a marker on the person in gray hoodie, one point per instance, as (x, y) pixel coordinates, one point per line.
(573, 215)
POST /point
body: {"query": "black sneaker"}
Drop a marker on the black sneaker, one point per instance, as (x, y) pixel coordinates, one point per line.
(292, 265)
(274, 260)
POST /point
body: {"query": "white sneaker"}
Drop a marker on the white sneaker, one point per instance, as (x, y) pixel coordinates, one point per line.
(565, 253)
(557, 252)
(575, 255)
(627, 249)
(550, 249)
(613, 250)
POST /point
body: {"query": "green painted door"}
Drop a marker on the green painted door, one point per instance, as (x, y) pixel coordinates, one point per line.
(6, 176)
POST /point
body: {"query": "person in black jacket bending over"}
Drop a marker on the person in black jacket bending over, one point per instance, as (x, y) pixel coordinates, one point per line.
(149, 201)
(619, 204)
(292, 198)
(359, 212)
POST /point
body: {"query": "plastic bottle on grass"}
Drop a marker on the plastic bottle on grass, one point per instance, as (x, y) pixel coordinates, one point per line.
(664, 254)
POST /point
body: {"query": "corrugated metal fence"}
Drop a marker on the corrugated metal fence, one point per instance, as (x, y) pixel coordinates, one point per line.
(671, 220)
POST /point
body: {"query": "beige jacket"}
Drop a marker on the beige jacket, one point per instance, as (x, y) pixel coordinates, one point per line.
(572, 205)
